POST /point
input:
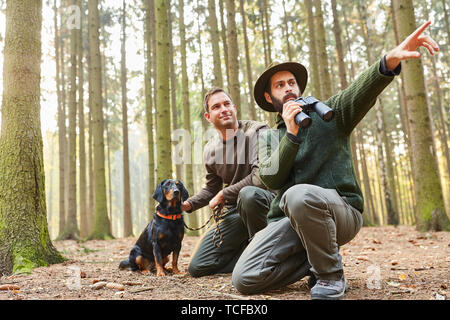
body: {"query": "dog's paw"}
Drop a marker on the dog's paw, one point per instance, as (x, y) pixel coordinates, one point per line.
(176, 271)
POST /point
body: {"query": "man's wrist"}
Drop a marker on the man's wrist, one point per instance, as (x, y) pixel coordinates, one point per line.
(390, 66)
(293, 138)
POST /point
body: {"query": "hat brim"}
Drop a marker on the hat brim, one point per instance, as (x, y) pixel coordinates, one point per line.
(297, 69)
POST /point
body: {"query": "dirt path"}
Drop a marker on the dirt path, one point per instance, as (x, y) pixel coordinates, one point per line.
(380, 263)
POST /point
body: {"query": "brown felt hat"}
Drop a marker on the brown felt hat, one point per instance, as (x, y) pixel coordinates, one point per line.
(297, 69)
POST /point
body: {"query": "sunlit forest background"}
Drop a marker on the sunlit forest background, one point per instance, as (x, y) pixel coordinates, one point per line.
(227, 44)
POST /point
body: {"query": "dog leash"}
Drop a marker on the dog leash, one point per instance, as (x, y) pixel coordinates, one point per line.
(218, 216)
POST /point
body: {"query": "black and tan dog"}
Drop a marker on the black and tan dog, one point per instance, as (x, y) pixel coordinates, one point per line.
(163, 235)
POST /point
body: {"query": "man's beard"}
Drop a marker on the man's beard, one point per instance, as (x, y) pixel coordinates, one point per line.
(278, 104)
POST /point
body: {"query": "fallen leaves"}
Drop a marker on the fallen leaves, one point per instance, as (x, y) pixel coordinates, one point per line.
(9, 287)
(115, 286)
(402, 277)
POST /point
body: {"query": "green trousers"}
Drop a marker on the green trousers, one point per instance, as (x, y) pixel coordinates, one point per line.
(238, 226)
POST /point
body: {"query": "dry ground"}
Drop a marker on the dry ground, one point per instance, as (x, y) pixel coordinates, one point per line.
(380, 263)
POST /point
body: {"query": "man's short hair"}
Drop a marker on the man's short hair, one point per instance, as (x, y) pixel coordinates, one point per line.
(210, 93)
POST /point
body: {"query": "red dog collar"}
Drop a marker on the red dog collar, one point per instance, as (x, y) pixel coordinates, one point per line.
(169, 217)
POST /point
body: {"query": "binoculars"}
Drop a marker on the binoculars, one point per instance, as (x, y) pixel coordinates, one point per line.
(309, 104)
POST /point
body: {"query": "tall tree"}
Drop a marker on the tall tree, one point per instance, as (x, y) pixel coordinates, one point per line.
(149, 30)
(313, 59)
(61, 125)
(385, 163)
(189, 180)
(163, 140)
(321, 47)
(215, 37)
(430, 210)
(339, 48)
(223, 34)
(263, 32)
(173, 85)
(233, 56)
(265, 11)
(71, 227)
(127, 224)
(84, 224)
(248, 65)
(286, 31)
(24, 239)
(101, 228)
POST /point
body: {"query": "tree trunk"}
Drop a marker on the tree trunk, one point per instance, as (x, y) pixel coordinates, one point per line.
(189, 175)
(263, 32)
(321, 47)
(71, 227)
(223, 34)
(163, 140)
(265, 11)
(215, 37)
(339, 47)
(173, 88)
(90, 166)
(233, 56)
(127, 224)
(430, 210)
(61, 127)
(313, 60)
(385, 166)
(84, 231)
(24, 239)
(149, 12)
(286, 32)
(101, 228)
(447, 25)
(248, 65)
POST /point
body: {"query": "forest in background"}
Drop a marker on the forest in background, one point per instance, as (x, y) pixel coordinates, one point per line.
(226, 44)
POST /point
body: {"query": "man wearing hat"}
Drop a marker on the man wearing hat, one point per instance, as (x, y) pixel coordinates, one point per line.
(319, 203)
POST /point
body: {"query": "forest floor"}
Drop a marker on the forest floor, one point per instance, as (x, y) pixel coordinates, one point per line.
(380, 263)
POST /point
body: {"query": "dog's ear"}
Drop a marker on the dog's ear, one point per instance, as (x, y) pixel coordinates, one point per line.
(158, 195)
(184, 192)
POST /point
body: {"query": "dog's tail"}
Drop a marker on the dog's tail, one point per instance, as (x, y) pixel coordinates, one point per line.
(124, 264)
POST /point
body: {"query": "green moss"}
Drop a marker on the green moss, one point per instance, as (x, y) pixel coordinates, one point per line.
(23, 264)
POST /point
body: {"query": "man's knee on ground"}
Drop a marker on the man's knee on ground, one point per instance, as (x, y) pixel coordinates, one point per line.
(242, 283)
(197, 271)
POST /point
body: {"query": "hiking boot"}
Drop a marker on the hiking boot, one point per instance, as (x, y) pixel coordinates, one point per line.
(329, 289)
(311, 280)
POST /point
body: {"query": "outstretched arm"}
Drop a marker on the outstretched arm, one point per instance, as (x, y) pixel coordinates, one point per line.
(408, 48)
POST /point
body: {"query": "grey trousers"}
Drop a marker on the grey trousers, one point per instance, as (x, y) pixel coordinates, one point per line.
(317, 222)
(240, 224)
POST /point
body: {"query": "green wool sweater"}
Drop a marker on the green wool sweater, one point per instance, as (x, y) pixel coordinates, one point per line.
(323, 157)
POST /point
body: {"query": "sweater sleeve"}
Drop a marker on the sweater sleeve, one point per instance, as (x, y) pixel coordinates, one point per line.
(352, 104)
(213, 185)
(276, 158)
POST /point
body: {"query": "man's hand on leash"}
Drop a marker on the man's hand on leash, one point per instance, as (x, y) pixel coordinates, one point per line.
(407, 49)
(217, 200)
(186, 206)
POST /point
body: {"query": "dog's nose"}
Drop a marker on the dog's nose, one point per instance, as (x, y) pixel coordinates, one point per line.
(176, 192)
